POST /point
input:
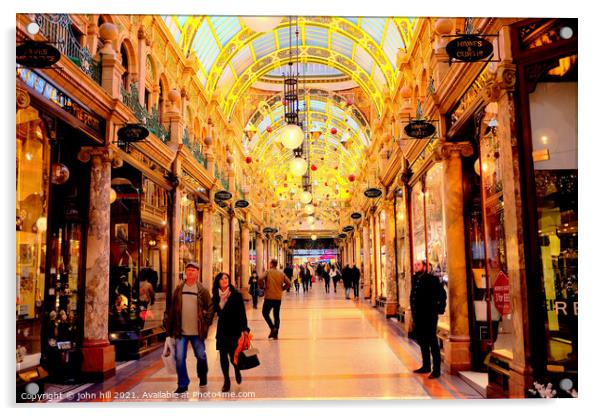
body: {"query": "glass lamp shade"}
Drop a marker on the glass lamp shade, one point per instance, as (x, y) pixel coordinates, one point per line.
(112, 195)
(42, 224)
(305, 197)
(262, 23)
(185, 201)
(309, 209)
(291, 136)
(310, 220)
(298, 166)
(314, 237)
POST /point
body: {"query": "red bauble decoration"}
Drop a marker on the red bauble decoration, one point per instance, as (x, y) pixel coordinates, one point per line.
(273, 205)
(284, 102)
(268, 129)
(351, 178)
(314, 167)
(333, 130)
(248, 159)
(325, 183)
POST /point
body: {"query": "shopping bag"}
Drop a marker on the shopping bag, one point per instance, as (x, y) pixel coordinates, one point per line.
(248, 359)
(169, 355)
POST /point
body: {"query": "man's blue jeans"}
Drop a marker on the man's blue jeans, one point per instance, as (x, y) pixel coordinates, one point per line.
(198, 346)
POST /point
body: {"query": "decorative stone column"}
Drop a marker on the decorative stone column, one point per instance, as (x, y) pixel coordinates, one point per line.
(176, 223)
(142, 51)
(207, 264)
(408, 267)
(111, 68)
(98, 353)
(357, 249)
(376, 255)
(500, 89)
(367, 262)
(259, 254)
(244, 258)
(230, 266)
(391, 272)
(457, 345)
(173, 120)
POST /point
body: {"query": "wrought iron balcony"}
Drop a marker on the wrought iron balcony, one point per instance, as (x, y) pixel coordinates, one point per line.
(195, 150)
(150, 121)
(57, 28)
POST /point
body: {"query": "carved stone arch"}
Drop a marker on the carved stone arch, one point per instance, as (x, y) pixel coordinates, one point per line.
(129, 61)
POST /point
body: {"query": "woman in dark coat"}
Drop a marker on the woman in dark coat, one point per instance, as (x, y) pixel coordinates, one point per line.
(231, 323)
(253, 287)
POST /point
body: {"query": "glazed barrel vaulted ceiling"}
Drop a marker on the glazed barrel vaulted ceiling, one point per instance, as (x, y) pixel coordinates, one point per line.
(337, 56)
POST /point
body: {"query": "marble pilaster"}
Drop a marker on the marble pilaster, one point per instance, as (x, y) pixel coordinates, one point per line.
(367, 261)
(245, 237)
(390, 269)
(375, 257)
(142, 51)
(457, 345)
(98, 353)
(207, 263)
(259, 250)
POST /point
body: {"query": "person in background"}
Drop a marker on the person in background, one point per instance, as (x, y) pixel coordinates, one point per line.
(253, 287)
(326, 276)
(189, 319)
(427, 301)
(231, 324)
(296, 277)
(334, 275)
(275, 282)
(355, 281)
(347, 280)
(288, 271)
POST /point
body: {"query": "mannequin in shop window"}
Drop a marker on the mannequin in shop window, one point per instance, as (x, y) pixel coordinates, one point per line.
(119, 318)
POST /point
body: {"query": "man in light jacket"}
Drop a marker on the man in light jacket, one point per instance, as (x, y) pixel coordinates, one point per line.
(274, 282)
(189, 319)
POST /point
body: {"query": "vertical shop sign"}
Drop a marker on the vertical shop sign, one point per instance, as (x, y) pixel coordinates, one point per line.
(501, 293)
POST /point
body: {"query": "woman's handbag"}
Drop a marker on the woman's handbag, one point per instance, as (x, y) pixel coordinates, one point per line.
(260, 292)
(246, 357)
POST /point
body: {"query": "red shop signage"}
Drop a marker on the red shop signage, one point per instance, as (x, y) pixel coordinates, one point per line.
(501, 293)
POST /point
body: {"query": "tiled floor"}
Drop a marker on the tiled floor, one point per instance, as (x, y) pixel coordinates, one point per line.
(328, 348)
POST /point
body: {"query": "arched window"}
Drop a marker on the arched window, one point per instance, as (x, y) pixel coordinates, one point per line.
(125, 82)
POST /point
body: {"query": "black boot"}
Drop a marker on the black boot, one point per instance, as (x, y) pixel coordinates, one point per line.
(435, 374)
(275, 333)
(422, 370)
(237, 375)
(226, 386)
(272, 332)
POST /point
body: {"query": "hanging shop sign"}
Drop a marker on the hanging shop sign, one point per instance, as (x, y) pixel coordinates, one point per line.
(501, 293)
(223, 195)
(356, 215)
(270, 230)
(469, 48)
(37, 54)
(132, 133)
(419, 129)
(348, 228)
(241, 203)
(373, 192)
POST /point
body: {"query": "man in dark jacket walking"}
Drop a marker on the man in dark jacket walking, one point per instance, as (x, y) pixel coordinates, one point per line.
(189, 319)
(427, 301)
(288, 272)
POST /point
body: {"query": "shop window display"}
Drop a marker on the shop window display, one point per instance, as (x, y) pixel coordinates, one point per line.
(219, 230)
(382, 285)
(154, 262)
(435, 224)
(189, 234)
(33, 156)
(418, 230)
(496, 272)
(400, 235)
(553, 107)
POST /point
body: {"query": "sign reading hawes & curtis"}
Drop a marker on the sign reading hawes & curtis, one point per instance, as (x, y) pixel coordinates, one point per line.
(419, 129)
(37, 54)
(469, 48)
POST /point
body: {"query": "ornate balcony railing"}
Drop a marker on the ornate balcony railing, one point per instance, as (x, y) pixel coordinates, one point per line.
(195, 150)
(150, 121)
(57, 29)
